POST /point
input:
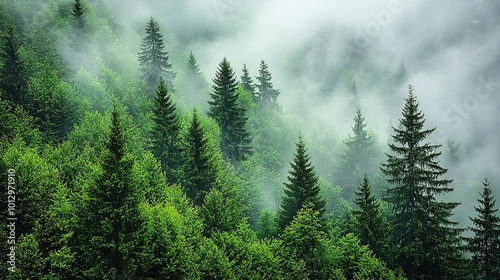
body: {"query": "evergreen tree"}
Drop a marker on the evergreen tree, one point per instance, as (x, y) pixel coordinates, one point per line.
(12, 70)
(372, 227)
(247, 83)
(153, 59)
(267, 95)
(485, 244)
(358, 158)
(354, 101)
(194, 84)
(426, 239)
(78, 15)
(200, 165)
(302, 187)
(165, 133)
(112, 219)
(224, 108)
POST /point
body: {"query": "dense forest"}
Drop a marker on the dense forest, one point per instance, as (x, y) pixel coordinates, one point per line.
(121, 159)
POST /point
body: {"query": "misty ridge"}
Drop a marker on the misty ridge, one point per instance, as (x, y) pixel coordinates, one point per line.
(230, 139)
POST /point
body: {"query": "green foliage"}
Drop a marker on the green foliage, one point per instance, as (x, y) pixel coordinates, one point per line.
(201, 164)
(12, 70)
(153, 59)
(267, 96)
(224, 108)
(302, 187)
(266, 225)
(193, 84)
(165, 133)
(29, 260)
(372, 228)
(247, 83)
(485, 244)
(427, 241)
(358, 158)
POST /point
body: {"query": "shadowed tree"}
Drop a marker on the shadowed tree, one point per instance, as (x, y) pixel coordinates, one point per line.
(153, 59)
(165, 133)
(13, 80)
(485, 244)
(302, 187)
(427, 240)
(247, 83)
(224, 108)
(267, 95)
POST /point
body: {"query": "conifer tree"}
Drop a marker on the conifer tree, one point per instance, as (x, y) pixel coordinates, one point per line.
(78, 15)
(302, 187)
(266, 95)
(200, 165)
(194, 84)
(112, 219)
(12, 70)
(427, 240)
(372, 227)
(165, 133)
(485, 244)
(224, 108)
(358, 158)
(153, 59)
(247, 83)
(354, 101)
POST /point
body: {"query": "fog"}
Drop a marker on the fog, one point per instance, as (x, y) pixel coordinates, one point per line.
(315, 49)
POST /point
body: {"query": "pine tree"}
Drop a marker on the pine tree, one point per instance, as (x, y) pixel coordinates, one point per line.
(372, 227)
(428, 242)
(78, 15)
(224, 108)
(247, 83)
(12, 70)
(485, 244)
(194, 84)
(165, 133)
(354, 101)
(200, 165)
(112, 218)
(153, 59)
(358, 158)
(266, 95)
(302, 187)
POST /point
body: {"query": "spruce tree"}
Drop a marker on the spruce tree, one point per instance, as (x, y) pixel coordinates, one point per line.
(302, 187)
(165, 133)
(78, 15)
(266, 95)
(112, 219)
(485, 244)
(372, 227)
(354, 100)
(247, 83)
(224, 108)
(200, 165)
(153, 59)
(194, 84)
(358, 158)
(427, 240)
(12, 70)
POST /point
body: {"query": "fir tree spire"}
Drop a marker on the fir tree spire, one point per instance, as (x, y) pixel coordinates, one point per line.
(165, 134)
(153, 59)
(232, 119)
(428, 241)
(302, 187)
(247, 83)
(485, 244)
(267, 95)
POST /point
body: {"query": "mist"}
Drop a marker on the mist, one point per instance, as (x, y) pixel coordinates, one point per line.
(315, 50)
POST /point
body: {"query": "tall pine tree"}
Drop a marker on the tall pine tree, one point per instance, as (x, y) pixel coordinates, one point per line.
(302, 187)
(200, 164)
(153, 59)
(247, 83)
(78, 15)
(485, 244)
(112, 219)
(165, 133)
(231, 117)
(372, 227)
(426, 239)
(267, 95)
(13, 80)
(358, 158)
(194, 84)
